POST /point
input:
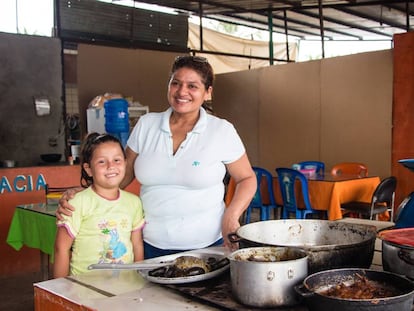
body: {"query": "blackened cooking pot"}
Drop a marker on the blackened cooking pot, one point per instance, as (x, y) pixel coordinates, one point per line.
(329, 244)
(314, 289)
(266, 276)
(398, 258)
(398, 251)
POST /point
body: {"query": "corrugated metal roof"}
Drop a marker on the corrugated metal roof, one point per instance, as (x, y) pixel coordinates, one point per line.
(336, 20)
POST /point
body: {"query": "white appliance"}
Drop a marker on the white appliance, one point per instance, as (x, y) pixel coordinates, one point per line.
(95, 118)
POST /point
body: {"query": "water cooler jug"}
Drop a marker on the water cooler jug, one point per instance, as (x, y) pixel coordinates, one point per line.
(117, 119)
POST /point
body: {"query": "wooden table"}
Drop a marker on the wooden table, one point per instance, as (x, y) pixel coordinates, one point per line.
(326, 193)
(329, 192)
(34, 225)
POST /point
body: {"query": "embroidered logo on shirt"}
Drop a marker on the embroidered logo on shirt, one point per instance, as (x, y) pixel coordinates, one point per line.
(196, 163)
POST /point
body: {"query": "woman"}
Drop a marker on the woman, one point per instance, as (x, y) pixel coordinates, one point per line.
(180, 157)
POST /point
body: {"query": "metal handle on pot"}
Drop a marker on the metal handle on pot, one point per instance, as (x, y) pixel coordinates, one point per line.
(233, 237)
(404, 255)
(130, 266)
(303, 291)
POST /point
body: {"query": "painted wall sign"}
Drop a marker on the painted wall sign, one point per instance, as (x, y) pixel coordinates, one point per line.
(22, 183)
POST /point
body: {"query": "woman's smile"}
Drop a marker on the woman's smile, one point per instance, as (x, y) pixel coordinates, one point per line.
(186, 90)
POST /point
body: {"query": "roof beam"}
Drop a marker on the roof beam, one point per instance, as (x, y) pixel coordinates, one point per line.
(296, 21)
(378, 20)
(289, 6)
(339, 7)
(305, 32)
(241, 56)
(339, 22)
(350, 3)
(220, 10)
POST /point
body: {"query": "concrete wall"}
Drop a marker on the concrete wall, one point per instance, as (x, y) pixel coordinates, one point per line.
(30, 66)
(141, 74)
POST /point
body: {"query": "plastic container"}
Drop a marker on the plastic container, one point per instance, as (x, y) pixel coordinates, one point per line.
(53, 198)
(117, 119)
(308, 171)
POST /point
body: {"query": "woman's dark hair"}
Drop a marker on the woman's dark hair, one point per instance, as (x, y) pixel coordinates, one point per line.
(198, 64)
(201, 66)
(88, 148)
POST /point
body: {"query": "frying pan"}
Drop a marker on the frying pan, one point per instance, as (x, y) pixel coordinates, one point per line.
(318, 282)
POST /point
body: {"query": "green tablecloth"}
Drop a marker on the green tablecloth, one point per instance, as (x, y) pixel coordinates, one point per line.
(33, 226)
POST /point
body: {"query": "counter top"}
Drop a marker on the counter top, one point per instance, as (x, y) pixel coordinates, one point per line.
(118, 290)
(128, 290)
(40, 164)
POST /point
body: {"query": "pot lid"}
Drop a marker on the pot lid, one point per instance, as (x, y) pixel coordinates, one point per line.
(408, 163)
(404, 236)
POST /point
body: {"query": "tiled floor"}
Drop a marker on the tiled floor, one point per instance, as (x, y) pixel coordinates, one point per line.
(16, 292)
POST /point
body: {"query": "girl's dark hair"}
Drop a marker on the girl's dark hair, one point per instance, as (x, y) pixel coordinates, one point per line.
(88, 148)
(201, 66)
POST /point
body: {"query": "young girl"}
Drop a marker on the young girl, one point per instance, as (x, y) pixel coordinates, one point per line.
(107, 224)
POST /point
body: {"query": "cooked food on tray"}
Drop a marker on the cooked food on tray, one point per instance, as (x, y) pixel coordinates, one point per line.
(189, 266)
(268, 255)
(361, 288)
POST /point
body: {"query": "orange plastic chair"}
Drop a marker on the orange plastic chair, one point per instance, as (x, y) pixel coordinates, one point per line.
(350, 168)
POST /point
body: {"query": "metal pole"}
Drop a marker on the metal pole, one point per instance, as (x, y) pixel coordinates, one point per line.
(286, 35)
(56, 20)
(200, 5)
(270, 25)
(407, 14)
(17, 18)
(321, 27)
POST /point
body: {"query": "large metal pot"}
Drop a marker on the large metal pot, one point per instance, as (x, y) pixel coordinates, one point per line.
(329, 244)
(398, 251)
(266, 276)
(314, 285)
(398, 258)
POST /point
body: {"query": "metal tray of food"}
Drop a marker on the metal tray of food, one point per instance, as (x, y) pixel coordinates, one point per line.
(204, 254)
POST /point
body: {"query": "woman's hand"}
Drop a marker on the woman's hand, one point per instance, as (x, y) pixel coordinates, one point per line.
(245, 187)
(64, 207)
(230, 224)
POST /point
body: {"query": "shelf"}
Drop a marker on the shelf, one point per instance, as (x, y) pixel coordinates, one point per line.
(135, 113)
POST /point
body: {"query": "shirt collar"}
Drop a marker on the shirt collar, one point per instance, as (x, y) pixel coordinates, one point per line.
(198, 128)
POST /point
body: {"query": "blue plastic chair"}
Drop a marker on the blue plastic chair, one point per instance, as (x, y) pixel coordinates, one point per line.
(257, 201)
(320, 166)
(287, 179)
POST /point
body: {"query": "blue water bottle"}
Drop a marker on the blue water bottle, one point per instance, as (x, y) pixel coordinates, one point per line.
(117, 119)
